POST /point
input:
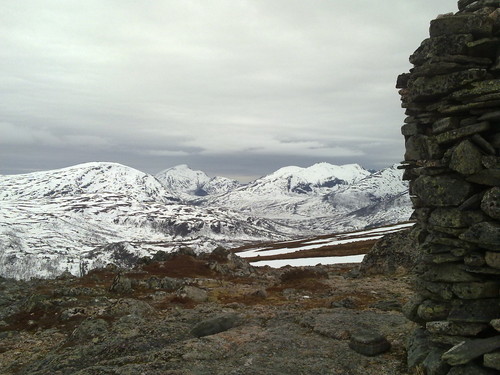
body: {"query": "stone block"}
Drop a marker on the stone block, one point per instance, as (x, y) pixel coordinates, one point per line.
(445, 124)
(434, 291)
(479, 88)
(448, 273)
(485, 235)
(461, 24)
(470, 369)
(470, 349)
(442, 191)
(422, 147)
(454, 135)
(369, 343)
(455, 218)
(430, 88)
(492, 259)
(418, 347)
(441, 46)
(412, 129)
(431, 310)
(466, 158)
(434, 364)
(476, 290)
(445, 327)
(492, 360)
(475, 311)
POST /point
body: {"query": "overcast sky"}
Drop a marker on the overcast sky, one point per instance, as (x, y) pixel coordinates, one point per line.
(235, 88)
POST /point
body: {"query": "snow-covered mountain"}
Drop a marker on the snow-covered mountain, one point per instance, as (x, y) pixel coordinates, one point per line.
(321, 197)
(84, 178)
(51, 221)
(187, 184)
(94, 213)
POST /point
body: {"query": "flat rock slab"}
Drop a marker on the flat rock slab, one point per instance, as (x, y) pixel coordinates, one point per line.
(215, 325)
(468, 350)
(369, 343)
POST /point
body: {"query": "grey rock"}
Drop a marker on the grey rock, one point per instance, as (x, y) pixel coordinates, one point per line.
(485, 234)
(441, 191)
(215, 325)
(441, 258)
(466, 158)
(441, 46)
(445, 124)
(430, 310)
(476, 290)
(490, 204)
(428, 88)
(492, 259)
(347, 303)
(495, 323)
(461, 24)
(130, 306)
(411, 129)
(422, 147)
(193, 293)
(484, 145)
(393, 253)
(455, 218)
(369, 343)
(418, 347)
(387, 305)
(89, 329)
(470, 349)
(121, 284)
(410, 308)
(456, 134)
(448, 272)
(433, 290)
(434, 364)
(455, 329)
(492, 360)
(475, 311)
(470, 369)
(475, 259)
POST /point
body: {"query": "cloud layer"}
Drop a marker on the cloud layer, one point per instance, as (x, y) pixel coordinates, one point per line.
(229, 86)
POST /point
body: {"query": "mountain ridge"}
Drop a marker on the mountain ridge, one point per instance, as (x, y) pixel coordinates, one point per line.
(51, 221)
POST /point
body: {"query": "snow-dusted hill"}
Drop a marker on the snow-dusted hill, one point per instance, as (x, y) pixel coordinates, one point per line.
(91, 214)
(50, 221)
(187, 184)
(323, 197)
(84, 178)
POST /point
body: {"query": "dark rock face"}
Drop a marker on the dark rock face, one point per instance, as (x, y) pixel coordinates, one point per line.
(394, 253)
(452, 159)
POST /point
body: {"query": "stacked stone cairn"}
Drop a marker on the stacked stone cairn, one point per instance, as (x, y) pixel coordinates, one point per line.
(452, 160)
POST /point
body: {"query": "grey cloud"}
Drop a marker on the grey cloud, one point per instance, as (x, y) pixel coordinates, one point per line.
(232, 86)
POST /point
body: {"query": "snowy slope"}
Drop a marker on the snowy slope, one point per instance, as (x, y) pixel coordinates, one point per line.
(84, 178)
(50, 221)
(323, 197)
(96, 213)
(187, 184)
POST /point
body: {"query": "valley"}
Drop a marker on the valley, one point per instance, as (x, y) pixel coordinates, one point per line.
(86, 216)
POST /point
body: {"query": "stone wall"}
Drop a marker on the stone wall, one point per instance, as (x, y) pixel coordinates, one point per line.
(452, 138)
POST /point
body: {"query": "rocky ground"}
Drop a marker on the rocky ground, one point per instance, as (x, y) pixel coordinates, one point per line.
(208, 314)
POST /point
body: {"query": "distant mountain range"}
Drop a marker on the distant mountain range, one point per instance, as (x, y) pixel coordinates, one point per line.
(91, 214)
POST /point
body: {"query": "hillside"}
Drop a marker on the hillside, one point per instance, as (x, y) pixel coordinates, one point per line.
(88, 215)
(209, 314)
